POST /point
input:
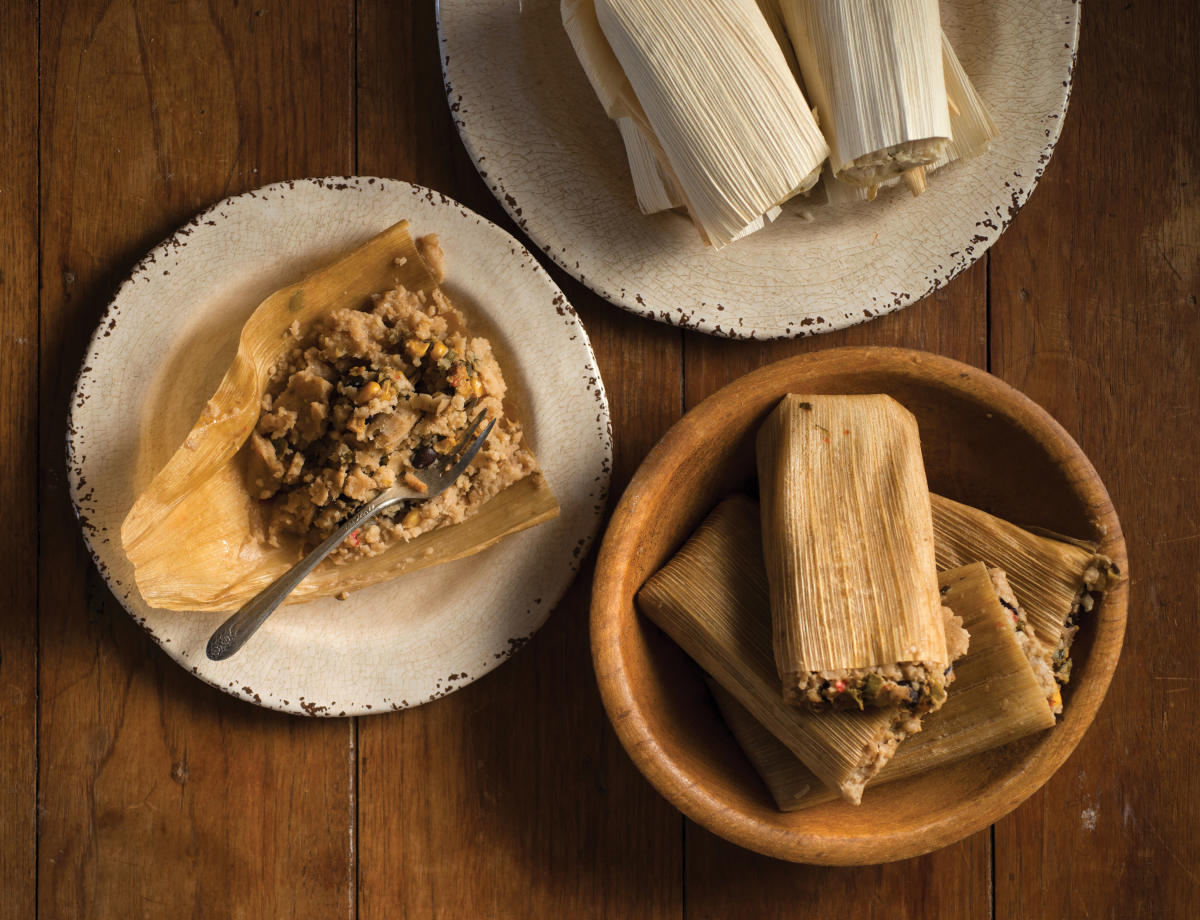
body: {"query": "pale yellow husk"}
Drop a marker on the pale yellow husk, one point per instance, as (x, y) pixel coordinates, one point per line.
(190, 534)
(711, 598)
(719, 99)
(652, 183)
(847, 536)
(996, 699)
(874, 70)
(1051, 578)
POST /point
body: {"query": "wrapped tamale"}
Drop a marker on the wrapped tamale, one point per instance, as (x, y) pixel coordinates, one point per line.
(848, 544)
(342, 384)
(998, 698)
(874, 70)
(711, 598)
(1051, 578)
(725, 118)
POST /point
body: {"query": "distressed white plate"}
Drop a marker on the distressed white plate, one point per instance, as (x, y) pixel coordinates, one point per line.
(169, 335)
(542, 143)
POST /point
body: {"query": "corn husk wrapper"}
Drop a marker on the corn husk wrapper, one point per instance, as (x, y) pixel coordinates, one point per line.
(1051, 578)
(972, 129)
(190, 534)
(874, 70)
(996, 699)
(721, 103)
(847, 537)
(652, 183)
(711, 598)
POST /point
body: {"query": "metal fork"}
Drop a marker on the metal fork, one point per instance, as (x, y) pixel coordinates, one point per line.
(233, 633)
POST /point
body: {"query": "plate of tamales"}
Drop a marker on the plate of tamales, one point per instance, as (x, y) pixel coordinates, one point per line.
(282, 359)
(858, 605)
(760, 168)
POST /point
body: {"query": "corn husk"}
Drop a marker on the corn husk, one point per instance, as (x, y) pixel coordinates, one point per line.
(972, 130)
(1051, 578)
(718, 98)
(996, 699)
(875, 73)
(190, 534)
(848, 540)
(652, 182)
(711, 598)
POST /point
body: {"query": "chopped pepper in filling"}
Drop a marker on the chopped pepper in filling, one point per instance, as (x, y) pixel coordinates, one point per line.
(367, 398)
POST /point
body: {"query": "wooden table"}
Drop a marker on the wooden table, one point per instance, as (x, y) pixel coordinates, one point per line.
(131, 789)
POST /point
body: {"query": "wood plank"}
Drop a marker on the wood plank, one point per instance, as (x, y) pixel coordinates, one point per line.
(724, 880)
(159, 795)
(1094, 315)
(18, 459)
(511, 797)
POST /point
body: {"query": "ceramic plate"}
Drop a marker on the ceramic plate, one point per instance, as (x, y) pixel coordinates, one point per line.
(543, 144)
(170, 333)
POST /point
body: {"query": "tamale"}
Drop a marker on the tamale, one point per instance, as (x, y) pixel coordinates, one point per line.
(849, 551)
(711, 598)
(192, 535)
(997, 699)
(1051, 578)
(733, 126)
(971, 129)
(874, 70)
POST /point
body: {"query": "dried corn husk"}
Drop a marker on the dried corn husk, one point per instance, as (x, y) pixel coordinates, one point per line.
(714, 86)
(849, 544)
(711, 598)
(190, 536)
(874, 70)
(1051, 578)
(996, 699)
(652, 182)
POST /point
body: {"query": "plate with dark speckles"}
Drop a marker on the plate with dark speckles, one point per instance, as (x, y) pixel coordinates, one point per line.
(171, 331)
(544, 146)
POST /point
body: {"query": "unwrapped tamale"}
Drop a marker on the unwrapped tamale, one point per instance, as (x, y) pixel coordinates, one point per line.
(1051, 578)
(711, 598)
(848, 544)
(997, 698)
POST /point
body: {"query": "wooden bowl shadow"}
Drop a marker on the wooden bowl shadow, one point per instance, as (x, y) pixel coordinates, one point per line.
(985, 444)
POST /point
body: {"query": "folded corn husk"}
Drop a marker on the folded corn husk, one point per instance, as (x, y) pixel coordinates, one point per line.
(1051, 578)
(874, 69)
(849, 544)
(996, 699)
(711, 598)
(725, 119)
(190, 536)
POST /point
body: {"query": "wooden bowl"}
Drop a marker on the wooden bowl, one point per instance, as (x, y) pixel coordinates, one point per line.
(984, 443)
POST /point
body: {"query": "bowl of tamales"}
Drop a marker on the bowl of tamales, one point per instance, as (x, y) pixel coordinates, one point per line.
(858, 605)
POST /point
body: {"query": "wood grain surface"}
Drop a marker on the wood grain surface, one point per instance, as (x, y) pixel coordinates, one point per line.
(130, 789)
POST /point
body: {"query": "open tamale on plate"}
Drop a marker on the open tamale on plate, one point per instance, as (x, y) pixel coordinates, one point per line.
(195, 535)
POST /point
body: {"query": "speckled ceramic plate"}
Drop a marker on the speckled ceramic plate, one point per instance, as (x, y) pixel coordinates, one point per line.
(543, 144)
(169, 335)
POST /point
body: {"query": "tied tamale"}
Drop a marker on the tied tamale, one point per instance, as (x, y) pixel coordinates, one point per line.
(1051, 578)
(343, 383)
(712, 599)
(874, 69)
(998, 698)
(848, 545)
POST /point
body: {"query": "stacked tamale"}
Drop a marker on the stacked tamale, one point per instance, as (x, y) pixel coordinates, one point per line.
(714, 100)
(833, 623)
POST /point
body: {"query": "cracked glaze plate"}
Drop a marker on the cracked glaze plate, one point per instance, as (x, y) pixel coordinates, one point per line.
(542, 143)
(172, 330)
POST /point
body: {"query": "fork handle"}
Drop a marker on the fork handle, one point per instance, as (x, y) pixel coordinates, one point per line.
(233, 633)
